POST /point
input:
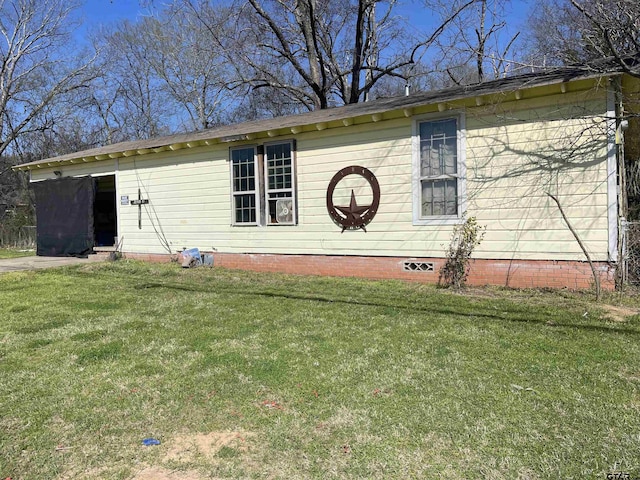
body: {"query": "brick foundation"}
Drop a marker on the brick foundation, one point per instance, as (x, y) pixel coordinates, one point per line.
(511, 273)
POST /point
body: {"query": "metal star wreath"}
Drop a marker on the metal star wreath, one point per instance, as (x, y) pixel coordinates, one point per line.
(353, 216)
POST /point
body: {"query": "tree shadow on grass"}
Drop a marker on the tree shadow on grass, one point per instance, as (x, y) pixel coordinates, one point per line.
(514, 313)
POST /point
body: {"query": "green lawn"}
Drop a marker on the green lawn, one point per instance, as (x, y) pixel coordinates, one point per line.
(14, 252)
(243, 375)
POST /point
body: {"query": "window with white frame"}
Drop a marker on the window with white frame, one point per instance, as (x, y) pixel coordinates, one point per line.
(279, 184)
(245, 186)
(438, 170)
(263, 181)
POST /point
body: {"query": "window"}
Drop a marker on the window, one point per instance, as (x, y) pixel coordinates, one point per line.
(263, 181)
(438, 171)
(279, 185)
(245, 193)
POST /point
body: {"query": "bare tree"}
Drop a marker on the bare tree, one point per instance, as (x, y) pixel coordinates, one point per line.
(37, 68)
(479, 44)
(102, 105)
(554, 34)
(320, 53)
(165, 73)
(614, 29)
(594, 34)
(40, 73)
(191, 67)
(578, 239)
(130, 77)
(584, 31)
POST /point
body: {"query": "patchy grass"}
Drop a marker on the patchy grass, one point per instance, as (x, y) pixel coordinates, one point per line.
(15, 252)
(244, 375)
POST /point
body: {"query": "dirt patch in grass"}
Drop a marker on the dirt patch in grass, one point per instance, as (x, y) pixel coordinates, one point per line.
(191, 448)
(619, 314)
(188, 447)
(159, 473)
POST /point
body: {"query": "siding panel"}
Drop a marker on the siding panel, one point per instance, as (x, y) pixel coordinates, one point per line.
(515, 153)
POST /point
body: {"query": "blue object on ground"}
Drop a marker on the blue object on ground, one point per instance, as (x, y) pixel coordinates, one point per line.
(191, 255)
(147, 442)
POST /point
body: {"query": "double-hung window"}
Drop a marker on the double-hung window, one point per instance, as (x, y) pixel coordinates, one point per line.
(279, 184)
(438, 170)
(245, 185)
(263, 184)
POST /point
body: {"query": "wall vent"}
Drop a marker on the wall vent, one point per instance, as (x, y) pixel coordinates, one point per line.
(418, 267)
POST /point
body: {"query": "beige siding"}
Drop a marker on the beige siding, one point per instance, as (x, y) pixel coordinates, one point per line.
(515, 153)
(561, 150)
(102, 168)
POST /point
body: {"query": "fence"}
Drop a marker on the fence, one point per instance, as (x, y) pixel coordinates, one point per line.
(631, 249)
(21, 237)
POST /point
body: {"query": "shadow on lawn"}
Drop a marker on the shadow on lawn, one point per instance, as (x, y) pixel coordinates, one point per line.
(435, 306)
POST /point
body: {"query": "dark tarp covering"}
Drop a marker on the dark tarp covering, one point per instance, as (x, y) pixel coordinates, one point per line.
(64, 213)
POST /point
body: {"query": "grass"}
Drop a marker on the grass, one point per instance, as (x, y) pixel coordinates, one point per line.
(303, 377)
(15, 252)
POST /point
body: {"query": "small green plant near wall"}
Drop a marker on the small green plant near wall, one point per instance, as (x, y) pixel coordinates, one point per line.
(464, 239)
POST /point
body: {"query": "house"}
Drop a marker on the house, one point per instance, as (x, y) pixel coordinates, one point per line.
(373, 189)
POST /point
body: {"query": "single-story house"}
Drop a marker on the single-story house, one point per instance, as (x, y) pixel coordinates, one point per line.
(373, 189)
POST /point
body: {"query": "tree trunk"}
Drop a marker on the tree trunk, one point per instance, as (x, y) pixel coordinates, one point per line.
(596, 277)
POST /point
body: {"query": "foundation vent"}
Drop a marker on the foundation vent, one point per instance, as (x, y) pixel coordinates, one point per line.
(418, 267)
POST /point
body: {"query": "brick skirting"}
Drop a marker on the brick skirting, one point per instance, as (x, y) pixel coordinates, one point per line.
(511, 273)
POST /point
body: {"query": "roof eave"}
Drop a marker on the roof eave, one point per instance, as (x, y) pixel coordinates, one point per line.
(401, 106)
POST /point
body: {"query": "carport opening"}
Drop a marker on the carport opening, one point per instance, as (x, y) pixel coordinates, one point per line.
(105, 219)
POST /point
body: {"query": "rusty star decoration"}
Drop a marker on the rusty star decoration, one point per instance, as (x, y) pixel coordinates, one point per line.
(353, 216)
(353, 212)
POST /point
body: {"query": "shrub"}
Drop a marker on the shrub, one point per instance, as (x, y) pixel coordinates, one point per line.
(464, 239)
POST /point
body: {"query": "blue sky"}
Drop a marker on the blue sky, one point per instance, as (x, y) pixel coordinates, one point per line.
(418, 15)
(105, 12)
